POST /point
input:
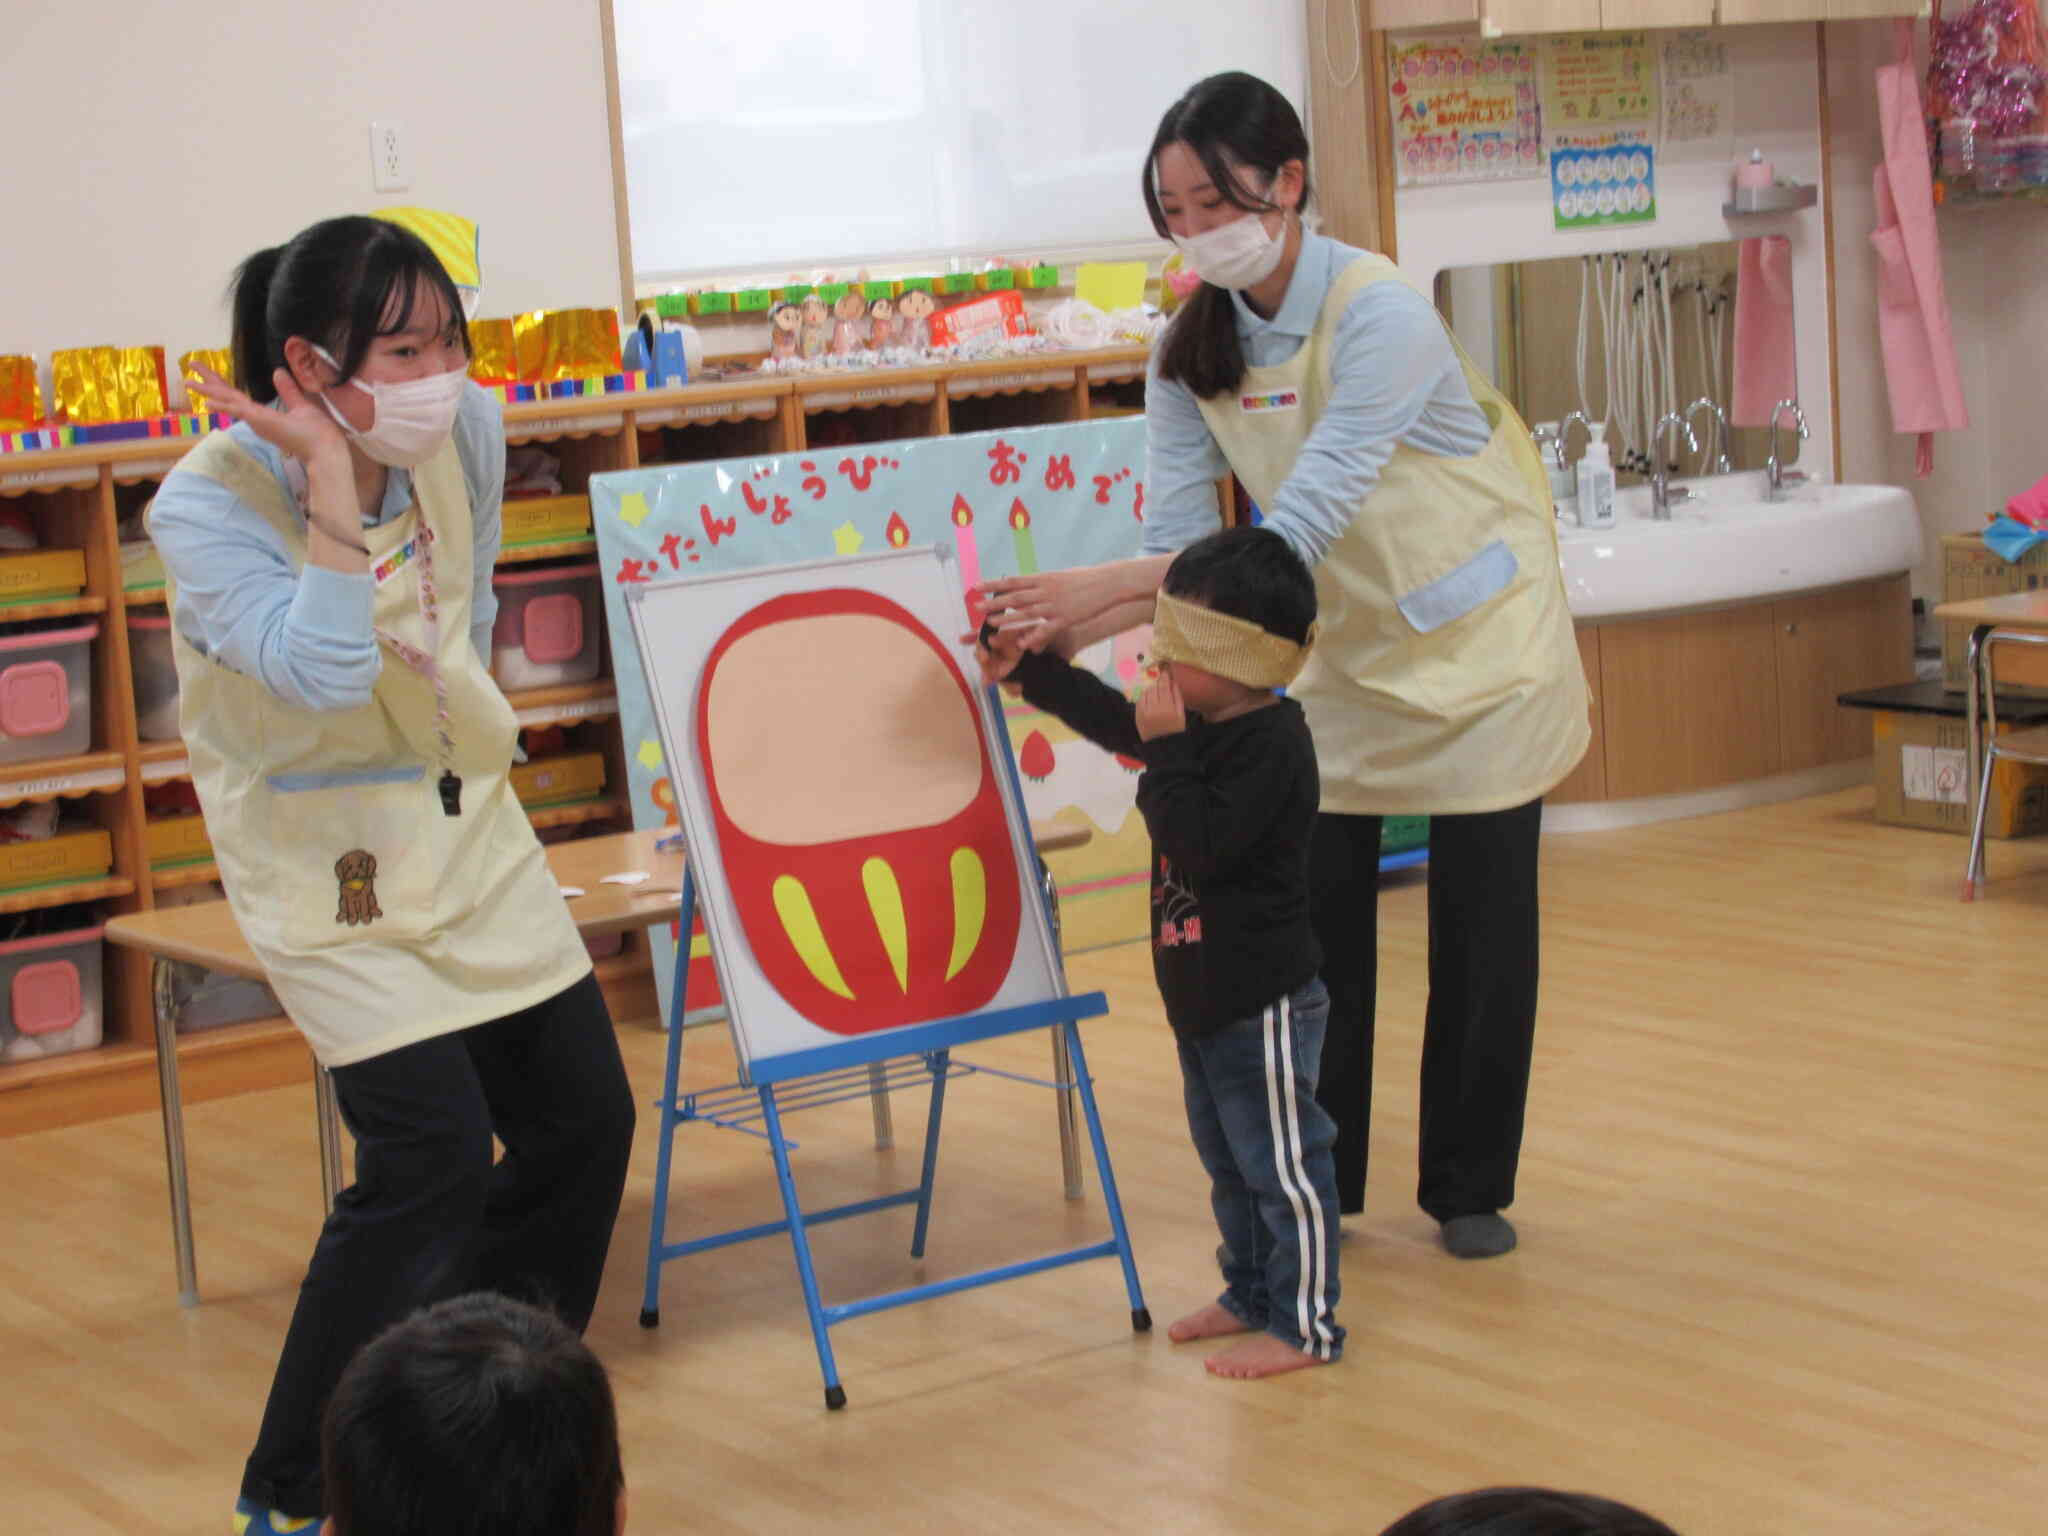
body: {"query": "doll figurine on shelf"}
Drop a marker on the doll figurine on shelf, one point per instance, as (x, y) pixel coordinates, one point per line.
(847, 311)
(882, 324)
(815, 331)
(913, 318)
(783, 320)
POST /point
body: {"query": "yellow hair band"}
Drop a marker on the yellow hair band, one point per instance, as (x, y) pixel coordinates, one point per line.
(1229, 647)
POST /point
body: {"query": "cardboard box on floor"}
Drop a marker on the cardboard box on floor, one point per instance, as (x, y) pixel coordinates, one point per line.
(1921, 766)
(1970, 570)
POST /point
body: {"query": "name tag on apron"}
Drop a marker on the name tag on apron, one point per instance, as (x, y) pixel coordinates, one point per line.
(396, 561)
(1277, 400)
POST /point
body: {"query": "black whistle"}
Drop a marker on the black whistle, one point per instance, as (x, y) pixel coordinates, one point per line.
(451, 794)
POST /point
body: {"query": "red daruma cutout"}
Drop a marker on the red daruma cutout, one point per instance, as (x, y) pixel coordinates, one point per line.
(858, 812)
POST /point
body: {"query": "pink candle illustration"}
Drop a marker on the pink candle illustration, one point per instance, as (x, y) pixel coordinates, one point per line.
(1020, 535)
(969, 552)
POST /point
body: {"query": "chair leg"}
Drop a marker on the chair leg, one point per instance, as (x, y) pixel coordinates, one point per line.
(835, 1394)
(1973, 870)
(939, 1060)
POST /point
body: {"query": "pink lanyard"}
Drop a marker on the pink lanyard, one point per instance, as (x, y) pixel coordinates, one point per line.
(428, 664)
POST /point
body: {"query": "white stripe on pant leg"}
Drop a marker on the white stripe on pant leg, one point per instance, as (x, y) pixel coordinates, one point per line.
(1310, 1287)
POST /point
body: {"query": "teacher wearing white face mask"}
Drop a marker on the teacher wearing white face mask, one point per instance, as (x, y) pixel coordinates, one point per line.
(329, 562)
(1447, 679)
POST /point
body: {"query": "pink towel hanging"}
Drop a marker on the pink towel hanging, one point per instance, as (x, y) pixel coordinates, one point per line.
(1766, 355)
(1920, 371)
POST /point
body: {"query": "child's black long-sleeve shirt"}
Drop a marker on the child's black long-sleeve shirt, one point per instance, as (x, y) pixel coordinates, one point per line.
(1230, 808)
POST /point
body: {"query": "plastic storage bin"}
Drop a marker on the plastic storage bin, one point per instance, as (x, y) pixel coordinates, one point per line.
(548, 630)
(46, 693)
(50, 994)
(156, 676)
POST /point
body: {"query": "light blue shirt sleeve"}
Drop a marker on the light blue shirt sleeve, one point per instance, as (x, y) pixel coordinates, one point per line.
(1182, 465)
(307, 634)
(480, 444)
(304, 634)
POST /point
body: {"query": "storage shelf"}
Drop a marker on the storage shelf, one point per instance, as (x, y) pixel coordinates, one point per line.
(164, 761)
(89, 773)
(49, 608)
(561, 549)
(575, 813)
(109, 1057)
(38, 897)
(143, 597)
(621, 967)
(565, 702)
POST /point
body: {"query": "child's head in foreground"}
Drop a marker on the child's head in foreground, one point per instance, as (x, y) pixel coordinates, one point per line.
(1526, 1512)
(1235, 618)
(477, 1415)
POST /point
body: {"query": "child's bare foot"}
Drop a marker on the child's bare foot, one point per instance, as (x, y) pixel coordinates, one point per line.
(1261, 1355)
(1210, 1322)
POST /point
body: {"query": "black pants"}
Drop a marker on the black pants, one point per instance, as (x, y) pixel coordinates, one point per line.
(1481, 1023)
(429, 1216)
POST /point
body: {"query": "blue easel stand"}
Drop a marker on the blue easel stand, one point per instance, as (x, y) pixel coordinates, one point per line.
(853, 1070)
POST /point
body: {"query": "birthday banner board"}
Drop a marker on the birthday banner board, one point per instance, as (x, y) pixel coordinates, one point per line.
(1000, 503)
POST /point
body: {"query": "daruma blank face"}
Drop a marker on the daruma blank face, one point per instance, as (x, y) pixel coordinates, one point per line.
(859, 818)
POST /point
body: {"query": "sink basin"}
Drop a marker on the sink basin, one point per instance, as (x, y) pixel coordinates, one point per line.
(1726, 543)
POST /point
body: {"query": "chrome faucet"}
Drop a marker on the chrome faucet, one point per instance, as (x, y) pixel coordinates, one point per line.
(1661, 494)
(1719, 442)
(1776, 475)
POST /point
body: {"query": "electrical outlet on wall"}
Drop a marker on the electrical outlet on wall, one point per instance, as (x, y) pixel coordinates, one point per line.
(390, 168)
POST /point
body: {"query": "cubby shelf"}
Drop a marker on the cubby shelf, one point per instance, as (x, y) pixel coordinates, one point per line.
(77, 493)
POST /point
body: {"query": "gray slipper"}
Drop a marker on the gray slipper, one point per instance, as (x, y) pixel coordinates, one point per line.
(1486, 1235)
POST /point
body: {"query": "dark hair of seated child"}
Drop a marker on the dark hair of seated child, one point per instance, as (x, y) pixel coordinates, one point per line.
(476, 1415)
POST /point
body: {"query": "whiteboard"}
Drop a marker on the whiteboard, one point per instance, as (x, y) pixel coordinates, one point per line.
(832, 133)
(862, 860)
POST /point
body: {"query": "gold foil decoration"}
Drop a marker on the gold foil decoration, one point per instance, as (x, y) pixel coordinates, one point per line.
(567, 344)
(90, 385)
(21, 394)
(219, 359)
(493, 352)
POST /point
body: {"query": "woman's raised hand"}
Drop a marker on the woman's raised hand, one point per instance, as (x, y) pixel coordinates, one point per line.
(1049, 601)
(297, 424)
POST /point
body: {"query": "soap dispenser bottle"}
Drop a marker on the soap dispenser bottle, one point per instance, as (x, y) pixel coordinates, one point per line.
(1596, 481)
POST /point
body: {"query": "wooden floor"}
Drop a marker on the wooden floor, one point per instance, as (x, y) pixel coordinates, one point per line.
(1782, 1266)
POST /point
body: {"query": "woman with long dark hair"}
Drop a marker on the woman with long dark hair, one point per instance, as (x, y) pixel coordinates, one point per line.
(329, 561)
(1447, 679)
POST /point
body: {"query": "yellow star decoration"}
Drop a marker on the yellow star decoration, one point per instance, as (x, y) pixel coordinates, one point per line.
(846, 539)
(650, 756)
(633, 509)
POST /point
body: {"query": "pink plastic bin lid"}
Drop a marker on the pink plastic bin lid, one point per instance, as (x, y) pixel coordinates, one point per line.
(148, 621)
(45, 998)
(554, 628)
(35, 698)
(38, 639)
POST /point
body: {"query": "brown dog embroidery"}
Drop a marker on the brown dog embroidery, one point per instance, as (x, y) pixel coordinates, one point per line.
(357, 872)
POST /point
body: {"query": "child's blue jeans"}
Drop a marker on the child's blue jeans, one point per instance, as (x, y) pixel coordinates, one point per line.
(1251, 1096)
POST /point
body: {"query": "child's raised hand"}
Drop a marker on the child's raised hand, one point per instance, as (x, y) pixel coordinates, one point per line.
(1161, 711)
(996, 653)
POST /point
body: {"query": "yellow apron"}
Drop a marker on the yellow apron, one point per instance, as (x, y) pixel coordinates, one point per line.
(1446, 677)
(380, 920)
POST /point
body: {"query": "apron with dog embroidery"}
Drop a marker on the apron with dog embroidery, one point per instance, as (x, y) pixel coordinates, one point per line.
(380, 919)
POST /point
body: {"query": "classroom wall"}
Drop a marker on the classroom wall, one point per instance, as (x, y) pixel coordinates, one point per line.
(154, 145)
(1777, 109)
(1995, 266)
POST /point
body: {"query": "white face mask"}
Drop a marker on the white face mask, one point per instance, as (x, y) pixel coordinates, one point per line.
(1239, 254)
(411, 421)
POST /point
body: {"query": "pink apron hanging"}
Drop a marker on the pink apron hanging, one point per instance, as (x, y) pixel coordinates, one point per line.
(1920, 369)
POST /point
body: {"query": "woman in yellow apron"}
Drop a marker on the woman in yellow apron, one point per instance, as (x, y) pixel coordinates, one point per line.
(329, 561)
(1446, 681)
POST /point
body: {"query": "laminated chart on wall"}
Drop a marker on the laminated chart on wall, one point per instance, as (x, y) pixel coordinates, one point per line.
(1002, 503)
(1463, 110)
(1600, 95)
